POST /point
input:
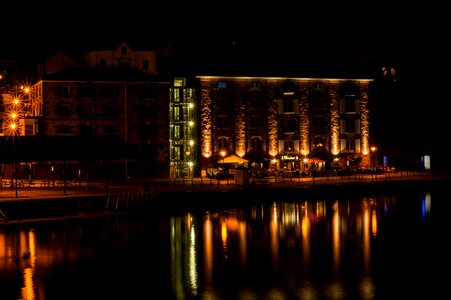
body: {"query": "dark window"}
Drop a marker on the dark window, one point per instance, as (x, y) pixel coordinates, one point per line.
(350, 145)
(64, 129)
(111, 111)
(289, 125)
(63, 109)
(256, 121)
(110, 91)
(111, 129)
(148, 131)
(87, 130)
(318, 122)
(223, 122)
(223, 142)
(86, 92)
(64, 90)
(256, 142)
(350, 126)
(148, 112)
(350, 105)
(86, 110)
(147, 93)
(145, 65)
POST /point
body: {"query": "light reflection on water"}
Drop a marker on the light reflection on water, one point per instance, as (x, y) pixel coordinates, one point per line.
(309, 249)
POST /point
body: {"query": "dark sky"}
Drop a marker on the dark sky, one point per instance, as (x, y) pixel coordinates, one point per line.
(344, 28)
(412, 36)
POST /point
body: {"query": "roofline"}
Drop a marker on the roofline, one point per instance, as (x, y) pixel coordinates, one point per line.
(283, 78)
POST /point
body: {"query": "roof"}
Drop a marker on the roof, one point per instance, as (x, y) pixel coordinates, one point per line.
(128, 74)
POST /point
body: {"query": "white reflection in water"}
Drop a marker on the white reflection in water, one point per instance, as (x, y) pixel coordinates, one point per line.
(426, 204)
(192, 260)
(183, 258)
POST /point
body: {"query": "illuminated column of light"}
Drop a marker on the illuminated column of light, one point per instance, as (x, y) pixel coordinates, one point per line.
(364, 123)
(206, 121)
(240, 131)
(334, 122)
(304, 125)
(273, 148)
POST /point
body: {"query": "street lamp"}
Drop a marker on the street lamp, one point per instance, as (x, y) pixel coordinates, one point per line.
(223, 154)
(373, 157)
(187, 154)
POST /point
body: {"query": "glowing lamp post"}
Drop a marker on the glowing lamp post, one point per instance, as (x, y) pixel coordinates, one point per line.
(188, 153)
(223, 154)
(373, 156)
(13, 128)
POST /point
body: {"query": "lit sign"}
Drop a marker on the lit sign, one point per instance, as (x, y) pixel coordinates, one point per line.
(288, 157)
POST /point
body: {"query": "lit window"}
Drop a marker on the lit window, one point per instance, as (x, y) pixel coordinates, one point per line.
(222, 84)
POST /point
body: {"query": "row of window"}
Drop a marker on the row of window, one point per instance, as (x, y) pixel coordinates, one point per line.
(145, 131)
(256, 85)
(91, 91)
(108, 110)
(291, 125)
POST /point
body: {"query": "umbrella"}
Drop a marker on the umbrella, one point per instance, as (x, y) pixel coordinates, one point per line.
(233, 159)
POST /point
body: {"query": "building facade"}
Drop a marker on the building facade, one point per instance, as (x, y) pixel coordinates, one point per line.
(287, 119)
(111, 94)
(180, 127)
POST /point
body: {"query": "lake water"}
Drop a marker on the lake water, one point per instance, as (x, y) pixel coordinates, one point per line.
(387, 246)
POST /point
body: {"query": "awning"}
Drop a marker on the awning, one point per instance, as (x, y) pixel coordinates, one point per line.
(233, 159)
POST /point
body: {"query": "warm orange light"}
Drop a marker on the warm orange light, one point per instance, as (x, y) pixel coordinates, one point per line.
(16, 101)
(223, 153)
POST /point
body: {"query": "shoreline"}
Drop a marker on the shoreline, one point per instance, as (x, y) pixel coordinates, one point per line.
(96, 203)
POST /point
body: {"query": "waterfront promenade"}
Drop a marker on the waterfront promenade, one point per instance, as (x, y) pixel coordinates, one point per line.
(160, 186)
(44, 203)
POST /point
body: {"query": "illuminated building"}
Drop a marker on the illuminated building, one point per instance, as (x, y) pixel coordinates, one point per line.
(286, 117)
(113, 93)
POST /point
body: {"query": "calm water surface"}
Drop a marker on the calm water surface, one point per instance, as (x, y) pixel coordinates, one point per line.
(375, 247)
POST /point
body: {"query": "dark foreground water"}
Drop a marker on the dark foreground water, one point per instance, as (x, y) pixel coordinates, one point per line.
(389, 246)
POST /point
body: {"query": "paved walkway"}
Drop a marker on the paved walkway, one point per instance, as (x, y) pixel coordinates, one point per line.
(204, 184)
